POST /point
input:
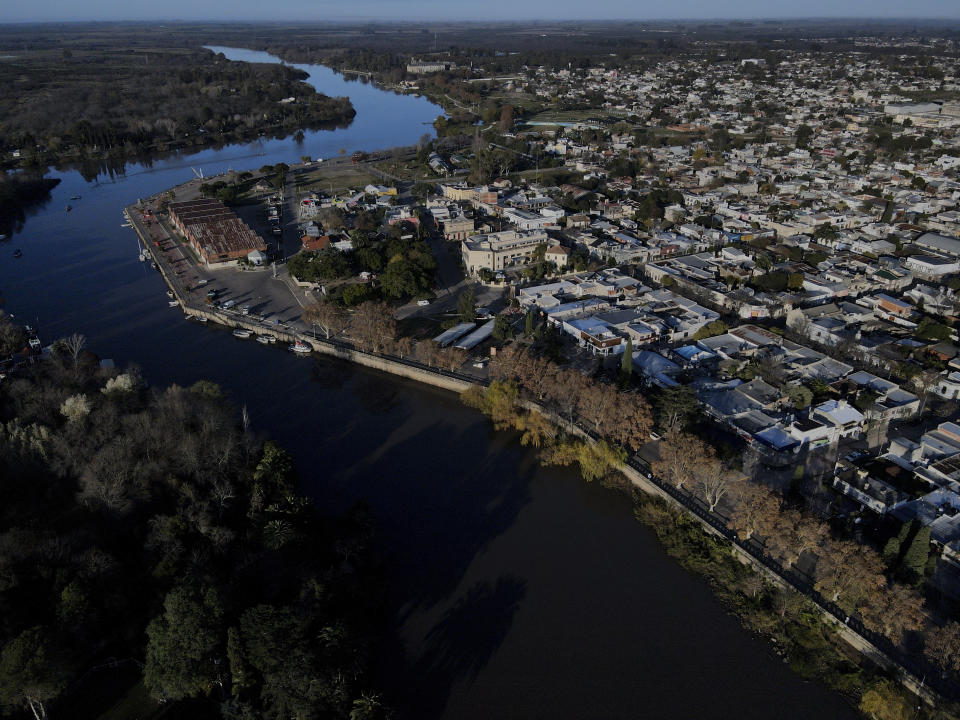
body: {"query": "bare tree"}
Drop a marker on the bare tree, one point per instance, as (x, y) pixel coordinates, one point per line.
(75, 345)
(943, 647)
(756, 511)
(680, 456)
(373, 327)
(326, 316)
(713, 482)
(894, 612)
(848, 572)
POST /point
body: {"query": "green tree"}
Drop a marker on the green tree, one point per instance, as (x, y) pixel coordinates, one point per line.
(29, 673)
(529, 322)
(626, 362)
(675, 406)
(466, 306)
(183, 644)
(917, 552)
(502, 328)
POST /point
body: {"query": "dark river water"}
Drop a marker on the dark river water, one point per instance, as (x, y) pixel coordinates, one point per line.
(517, 591)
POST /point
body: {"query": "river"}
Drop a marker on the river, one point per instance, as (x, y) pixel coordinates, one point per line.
(517, 591)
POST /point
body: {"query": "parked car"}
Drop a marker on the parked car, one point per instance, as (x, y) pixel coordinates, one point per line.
(229, 304)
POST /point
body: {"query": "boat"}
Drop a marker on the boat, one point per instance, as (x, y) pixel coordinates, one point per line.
(35, 344)
(241, 333)
(74, 197)
(263, 339)
(154, 265)
(69, 208)
(173, 303)
(18, 253)
(301, 347)
(143, 256)
(169, 293)
(202, 319)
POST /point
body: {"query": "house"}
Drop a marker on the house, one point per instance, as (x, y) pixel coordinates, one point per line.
(839, 414)
(557, 255)
(497, 251)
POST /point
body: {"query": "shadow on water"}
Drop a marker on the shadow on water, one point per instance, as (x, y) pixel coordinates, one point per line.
(461, 644)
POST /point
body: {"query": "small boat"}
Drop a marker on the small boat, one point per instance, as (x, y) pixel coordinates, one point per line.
(263, 339)
(241, 333)
(74, 197)
(69, 208)
(301, 347)
(154, 265)
(173, 303)
(273, 339)
(34, 344)
(18, 253)
(202, 319)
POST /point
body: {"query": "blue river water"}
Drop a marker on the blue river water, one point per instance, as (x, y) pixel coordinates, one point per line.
(516, 591)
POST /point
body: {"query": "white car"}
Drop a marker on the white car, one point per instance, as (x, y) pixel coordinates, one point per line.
(423, 303)
(229, 304)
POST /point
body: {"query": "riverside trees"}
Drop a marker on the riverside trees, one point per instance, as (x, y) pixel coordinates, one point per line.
(155, 526)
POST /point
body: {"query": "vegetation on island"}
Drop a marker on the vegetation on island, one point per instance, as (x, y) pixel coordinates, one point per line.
(132, 94)
(152, 530)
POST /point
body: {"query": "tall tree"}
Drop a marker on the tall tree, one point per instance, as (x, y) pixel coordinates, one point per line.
(680, 456)
(183, 645)
(29, 673)
(326, 316)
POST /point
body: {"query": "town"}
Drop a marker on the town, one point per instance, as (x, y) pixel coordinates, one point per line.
(728, 273)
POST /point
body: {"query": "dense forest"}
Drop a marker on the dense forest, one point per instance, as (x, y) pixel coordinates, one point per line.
(18, 193)
(131, 93)
(151, 529)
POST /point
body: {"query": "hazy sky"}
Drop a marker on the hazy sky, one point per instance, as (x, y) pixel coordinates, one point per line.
(319, 10)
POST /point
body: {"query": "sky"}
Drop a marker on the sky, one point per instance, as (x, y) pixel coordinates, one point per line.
(353, 10)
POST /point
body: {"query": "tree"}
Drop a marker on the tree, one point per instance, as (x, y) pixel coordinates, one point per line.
(466, 306)
(182, 646)
(529, 322)
(502, 329)
(626, 362)
(756, 510)
(29, 673)
(713, 482)
(882, 701)
(942, 647)
(326, 316)
(373, 326)
(803, 135)
(895, 612)
(680, 456)
(797, 534)
(847, 572)
(918, 552)
(595, 459)
(12, 337)
(675, 406)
